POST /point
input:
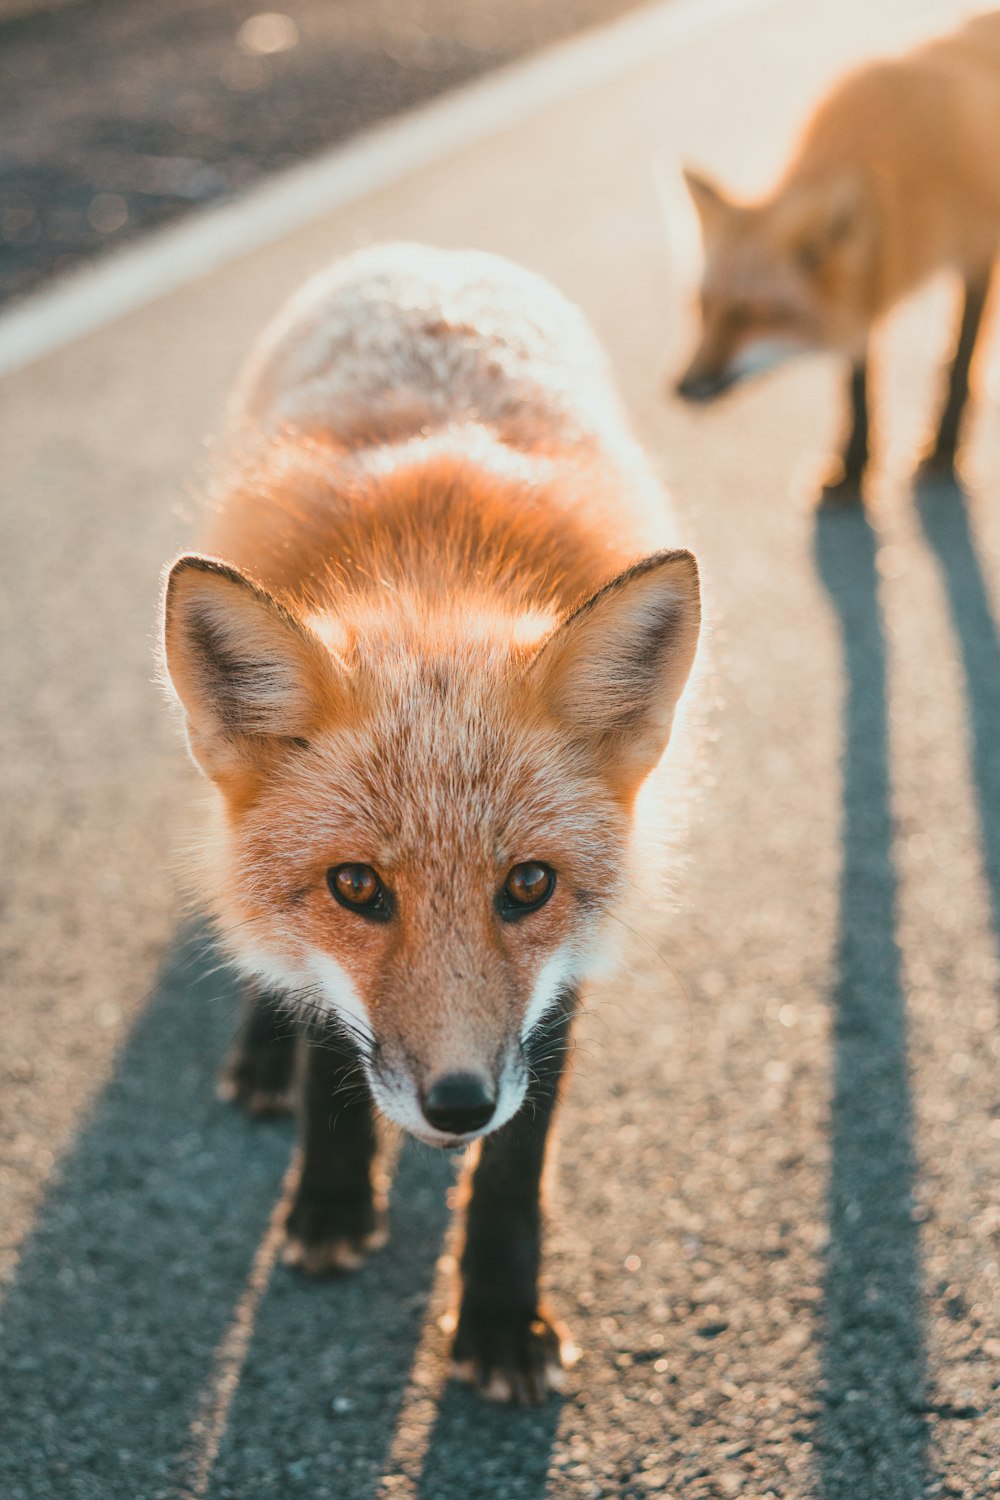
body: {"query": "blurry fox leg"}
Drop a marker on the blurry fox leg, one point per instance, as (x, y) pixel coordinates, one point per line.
(844, 485)
(940, 461)
(259, 1071)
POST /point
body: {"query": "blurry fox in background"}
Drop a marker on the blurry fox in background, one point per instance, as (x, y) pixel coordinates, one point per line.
(436, 648)
(897, 176)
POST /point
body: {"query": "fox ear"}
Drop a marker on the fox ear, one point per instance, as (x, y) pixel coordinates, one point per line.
(252, 680)
(709, 200)
(820, 218)
(613, 671)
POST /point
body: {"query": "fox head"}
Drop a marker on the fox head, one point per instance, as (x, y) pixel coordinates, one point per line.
(787, 275)
(424, 819)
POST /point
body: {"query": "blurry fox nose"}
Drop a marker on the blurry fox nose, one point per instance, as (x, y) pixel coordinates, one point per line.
(700, 387)
(459, 1102)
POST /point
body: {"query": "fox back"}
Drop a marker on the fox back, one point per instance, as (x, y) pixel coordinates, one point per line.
(432, 649)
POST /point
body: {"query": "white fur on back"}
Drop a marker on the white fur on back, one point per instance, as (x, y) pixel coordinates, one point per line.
(402, 340)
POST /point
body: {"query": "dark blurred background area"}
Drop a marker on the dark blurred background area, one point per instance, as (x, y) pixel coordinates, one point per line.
(120, 115)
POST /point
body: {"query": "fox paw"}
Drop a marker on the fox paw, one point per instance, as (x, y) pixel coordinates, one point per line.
(328, 1236)
(937, 470)
(841, 493)
(259, 1080)
(512, 1359)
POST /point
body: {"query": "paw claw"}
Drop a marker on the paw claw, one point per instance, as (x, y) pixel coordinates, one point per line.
(500, 1387)
(318, 1244)
(333, 1258)
(259, 1081)
(263, 1104)
(518, 1363)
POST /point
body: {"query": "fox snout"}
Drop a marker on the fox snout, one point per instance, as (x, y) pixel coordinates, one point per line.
(714, 370)
(451, 1102)
(713, 366)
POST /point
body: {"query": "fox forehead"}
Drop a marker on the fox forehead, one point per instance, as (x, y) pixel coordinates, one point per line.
(447, 759)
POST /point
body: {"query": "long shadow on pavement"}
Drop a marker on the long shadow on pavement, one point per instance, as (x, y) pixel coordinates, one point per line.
(943, 511)
(871, 1435)
(139, 1251)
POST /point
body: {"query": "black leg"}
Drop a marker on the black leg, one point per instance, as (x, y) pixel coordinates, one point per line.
(336, 1218)
(856, 451)
(940, 462)
(844, 487)
(259, 1071)
(505, 1343)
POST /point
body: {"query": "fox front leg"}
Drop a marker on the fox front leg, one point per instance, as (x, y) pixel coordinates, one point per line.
(336, 1218)
(844, 485)
(259, 1072)
(505, 1342)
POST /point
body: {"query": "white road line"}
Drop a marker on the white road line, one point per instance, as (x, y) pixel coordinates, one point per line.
(97, 295)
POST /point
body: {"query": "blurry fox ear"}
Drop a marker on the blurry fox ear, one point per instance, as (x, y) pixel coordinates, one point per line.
(820, 218)
(252, 680)
(613, 671)
(709, 200)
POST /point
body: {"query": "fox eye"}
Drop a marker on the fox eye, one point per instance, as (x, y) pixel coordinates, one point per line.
(359, 888)
(527, 887)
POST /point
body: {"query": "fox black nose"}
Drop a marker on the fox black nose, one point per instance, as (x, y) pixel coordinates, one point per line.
(459, 1102)
(701, 387)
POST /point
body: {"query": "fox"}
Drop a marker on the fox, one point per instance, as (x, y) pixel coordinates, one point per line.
(895, 178)
(434, 644)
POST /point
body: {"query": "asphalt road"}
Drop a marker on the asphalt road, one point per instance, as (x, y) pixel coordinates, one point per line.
(118, 116)
(776, 1213)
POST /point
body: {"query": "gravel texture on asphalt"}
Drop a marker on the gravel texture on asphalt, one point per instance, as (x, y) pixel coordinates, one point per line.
(775, 1215)
(117, 116)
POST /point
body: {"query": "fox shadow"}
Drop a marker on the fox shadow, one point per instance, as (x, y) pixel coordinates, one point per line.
(943, 509)
(138, 1253)
(480, 1448)
(871, 1432)
(131, 1280)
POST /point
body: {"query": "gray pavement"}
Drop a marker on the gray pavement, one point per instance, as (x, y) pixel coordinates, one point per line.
(120, 115)
(776, 1213)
